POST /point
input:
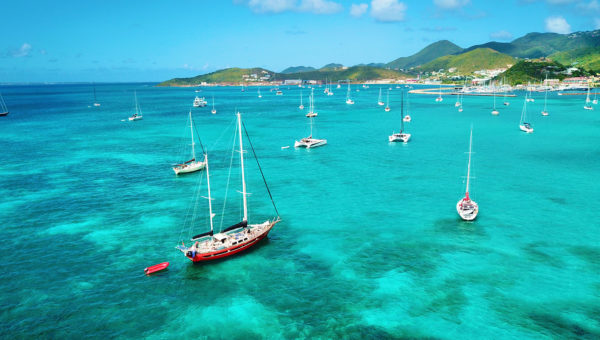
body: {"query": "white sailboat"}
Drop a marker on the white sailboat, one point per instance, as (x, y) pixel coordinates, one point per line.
(278, 92)
(236, 238)
(192, 164)
(311, 107)
(213, 111)
(310, 142)
(387, 106)
(595, 101)
(439, 98)
(301, 107)
(137, 115)
(259, 95)
(329, 91)
(494, 111)
(348, 99)
(407, 117)
(529, 96)
(523, 124)
(587, 105)
(545, 111)
(3, 109)
(379, 100)
(466, 207)
(400, 136)
(95, 101)
(199, 102)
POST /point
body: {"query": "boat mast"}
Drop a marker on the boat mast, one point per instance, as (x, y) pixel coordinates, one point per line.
(192, 133)
(401, 112)
(242, 165)
(469, 166)
(209, 198)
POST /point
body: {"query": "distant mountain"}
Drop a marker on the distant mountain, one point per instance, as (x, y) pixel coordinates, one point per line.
(332, 66)
(429, 53)
(587, 58)
(468, 62)
(228, 75)
(355, 73)
(536, 45)
(296, 69)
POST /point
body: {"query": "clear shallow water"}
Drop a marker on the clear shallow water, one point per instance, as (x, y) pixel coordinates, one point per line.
(370, 245)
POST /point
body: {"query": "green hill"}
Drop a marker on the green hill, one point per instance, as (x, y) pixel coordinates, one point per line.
(526, 71)
(228, 75)
(587, 58)
(296, 69)
(355, 73)
(468, 62)
(331, 66)
(429, 53)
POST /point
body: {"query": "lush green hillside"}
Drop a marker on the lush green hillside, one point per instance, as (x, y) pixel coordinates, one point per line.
(468, 62)
(526, 71)
(228, 75)
(296, 69)
(331, 66)
(355, 73)
(536, 45)
(587, 58)
(429, 53)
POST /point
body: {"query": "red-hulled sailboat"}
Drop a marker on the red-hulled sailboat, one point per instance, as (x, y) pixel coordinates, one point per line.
(236, 238)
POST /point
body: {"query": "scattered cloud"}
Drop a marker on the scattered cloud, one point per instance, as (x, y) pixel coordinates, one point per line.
(279, 6)
(22, 51)
(450, 4)
(557, 24)
(319, 6)
(271, 6)
(388, 10)
(501, 35)
(593, 6)
(357, 10)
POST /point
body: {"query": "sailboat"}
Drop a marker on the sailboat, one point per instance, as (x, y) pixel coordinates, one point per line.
(595, 101)
(310, 142)
(407, 117)
(311, 110)
(199, 102)
(379, 101)
(387, 106)
(523, 124)
(587, 105)
(191, 165)
(348, 99)
(494, 111)
(530, 97)
(400, 136)
(213, 111)
(439, 98)
(278, 92)
(467, 208)
(3, 108)
(506, 102)
(209, 246)
(301, 107)
(95, 101)
(545, 111)
(138, 112)
(259, 95)
(326, 91)
(329, 91)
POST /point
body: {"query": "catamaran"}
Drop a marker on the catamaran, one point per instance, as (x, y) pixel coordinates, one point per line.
(3, 108)
(199, 102)
(209, 246)
(387, 106)
(138, 111)
(466, 207)
(190, 165)
(400, 136)
(587, 105)
(379, 101)
(310, 142)
(494, 111)
(213, 111)
(523, 124)
(348, 99)
(311, 107)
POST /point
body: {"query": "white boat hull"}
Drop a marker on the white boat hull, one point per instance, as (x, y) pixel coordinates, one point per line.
(350, 101)
(495, 112)
(407, 119)
(399, 137)
(135, 118)
(525, 128)
(311, 114)
(467, 209)
(190, 167)
(309, 143)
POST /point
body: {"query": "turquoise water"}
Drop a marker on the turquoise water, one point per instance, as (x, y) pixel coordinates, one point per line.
(370, 245)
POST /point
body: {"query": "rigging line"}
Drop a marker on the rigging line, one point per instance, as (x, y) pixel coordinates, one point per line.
(228, 180)
(199, 139)
(259, 168)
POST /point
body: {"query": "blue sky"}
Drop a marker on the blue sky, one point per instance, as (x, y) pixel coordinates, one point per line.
(152, 40)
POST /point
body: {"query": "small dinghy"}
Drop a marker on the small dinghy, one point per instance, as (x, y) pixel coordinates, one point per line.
(156, 268)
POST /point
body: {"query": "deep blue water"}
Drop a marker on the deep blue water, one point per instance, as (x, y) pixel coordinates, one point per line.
(370, 245)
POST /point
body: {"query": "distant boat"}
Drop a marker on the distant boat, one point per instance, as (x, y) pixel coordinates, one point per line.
(95, 101)
(439, 98)
(587, 105)
(243, 90)
(301, 107)
(494, 111)
(348, 99)
(199, 102)
(407, 117)
(467, 208)
(545, 111)
(387, 106)
(259, 95)
(595, 101)
(528, 95)
(137, 115)
(311, 110)
(339, 86)
(379, 100)
(310, 142)
(3, 109)
(213, 111)
(523, 124)
(400, 136)
(190, 165)
(237, 238)
(278, 92)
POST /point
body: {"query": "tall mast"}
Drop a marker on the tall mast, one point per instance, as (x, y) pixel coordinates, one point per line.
(401, 112)
(494, 92)
(209, 198)
(311, 111)
(242, 165)
(136, 102)
(192, 134)
(469, 166)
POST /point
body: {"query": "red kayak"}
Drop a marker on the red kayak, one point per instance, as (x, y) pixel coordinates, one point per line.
(156, 268)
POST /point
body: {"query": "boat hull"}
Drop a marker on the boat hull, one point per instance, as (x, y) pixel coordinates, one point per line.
(2, 114)
(311, 143)
(407, 119)
(187, 168)
(467, 209)
(399, 137)
(135, 118)
(525, 128)
(156, 268)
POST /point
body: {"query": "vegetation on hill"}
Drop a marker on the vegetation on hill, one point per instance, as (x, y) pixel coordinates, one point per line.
(296, 69)
(228, 75)
(526, 71)
(587, 58)
(429, 53)
(479, 59)
(331, 66)
(355, 73)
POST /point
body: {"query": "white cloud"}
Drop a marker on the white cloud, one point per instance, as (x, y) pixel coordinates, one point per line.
(557, 24)
(271, 6)
(450, 4)
(357, 10)
(22, 51)
(590, 6)
(388, 10)
(501, 35)
(319, 6)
